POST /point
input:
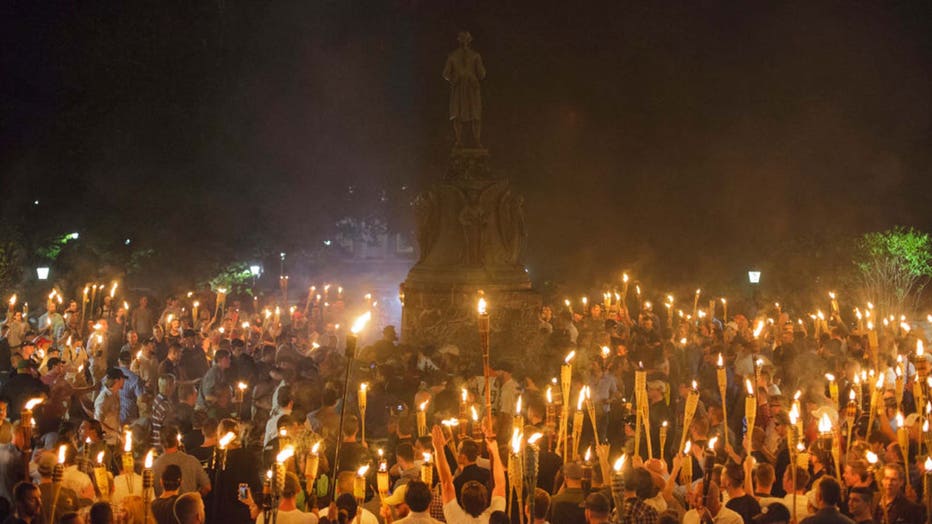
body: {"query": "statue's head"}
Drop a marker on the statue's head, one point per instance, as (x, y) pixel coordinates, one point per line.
(464, 38)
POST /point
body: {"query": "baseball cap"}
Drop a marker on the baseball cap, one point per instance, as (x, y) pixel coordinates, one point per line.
(47, 462)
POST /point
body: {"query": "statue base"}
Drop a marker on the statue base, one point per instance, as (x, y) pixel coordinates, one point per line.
(448, 316)
(471, 237)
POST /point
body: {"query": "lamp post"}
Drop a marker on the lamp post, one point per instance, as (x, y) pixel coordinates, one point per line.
(42, 272)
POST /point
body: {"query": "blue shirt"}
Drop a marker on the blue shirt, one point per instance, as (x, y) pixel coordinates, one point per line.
(132, 390)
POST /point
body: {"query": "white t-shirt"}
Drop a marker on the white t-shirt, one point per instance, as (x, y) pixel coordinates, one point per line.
(365, 516)
(294, 516)
(454, 514)
(802, 505)
(725, 516)
(422, 517)
(121, 487)
(76, 480)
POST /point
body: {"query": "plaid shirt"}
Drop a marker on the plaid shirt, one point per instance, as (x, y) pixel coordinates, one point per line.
(436, 504)
(637, 512)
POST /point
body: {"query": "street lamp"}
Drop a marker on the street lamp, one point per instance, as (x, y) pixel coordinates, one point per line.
(42, 272)
(754, 277)
(254, 270)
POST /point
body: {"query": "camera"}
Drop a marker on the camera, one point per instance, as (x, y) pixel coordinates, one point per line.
(243, 491)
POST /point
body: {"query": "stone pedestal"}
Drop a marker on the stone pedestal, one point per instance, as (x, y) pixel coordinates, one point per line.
(471, 238)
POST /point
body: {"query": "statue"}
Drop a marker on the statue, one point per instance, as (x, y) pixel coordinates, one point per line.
(428, 220)
(463, 71)
(511, 228)
(473, 218)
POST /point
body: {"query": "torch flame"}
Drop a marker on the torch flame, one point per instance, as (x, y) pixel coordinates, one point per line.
(582, 398)
(475, 414)
(759, 328)
(518, 405)
(720, 362)
(549, 395)
(360, 322)
(100, 457)
(464, 395)
(285, 454)
(872, 457)
(534, 438)
(128, 442)
(570, 356)
(32, 403)
(588, 453)
(227, 439)
(482, 306)
(747, 382)
(920, 348)
(687, 447)
(150, 457)
(61, 453)
(423, 405)
(825, 423)
(316, 447)
(363, 470)
(712, 442)
(830, 377)
(619, 463)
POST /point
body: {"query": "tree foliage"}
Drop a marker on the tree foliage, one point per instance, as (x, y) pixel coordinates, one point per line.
(894, 266)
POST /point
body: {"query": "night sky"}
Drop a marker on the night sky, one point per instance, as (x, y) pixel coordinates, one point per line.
(682, 140)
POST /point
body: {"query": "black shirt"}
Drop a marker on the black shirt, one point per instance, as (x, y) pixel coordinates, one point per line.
(746, 506)
(163, 509)
(470, 473)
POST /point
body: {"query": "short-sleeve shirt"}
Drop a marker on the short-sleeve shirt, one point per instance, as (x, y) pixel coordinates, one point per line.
(193, 476)
(164, 510)
(454, 514)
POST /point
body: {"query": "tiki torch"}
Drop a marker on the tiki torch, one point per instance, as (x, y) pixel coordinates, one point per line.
(722, 377)
(484, 330)
(566, 381)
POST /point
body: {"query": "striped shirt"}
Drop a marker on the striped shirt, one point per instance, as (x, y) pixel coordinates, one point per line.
(160, 410)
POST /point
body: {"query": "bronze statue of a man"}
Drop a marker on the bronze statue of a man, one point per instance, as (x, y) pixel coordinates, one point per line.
(464, 70)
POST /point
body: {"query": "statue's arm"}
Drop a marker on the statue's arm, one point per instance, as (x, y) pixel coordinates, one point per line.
(480, 69)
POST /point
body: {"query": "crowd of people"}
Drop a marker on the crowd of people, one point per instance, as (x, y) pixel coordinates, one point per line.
(215, 392)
